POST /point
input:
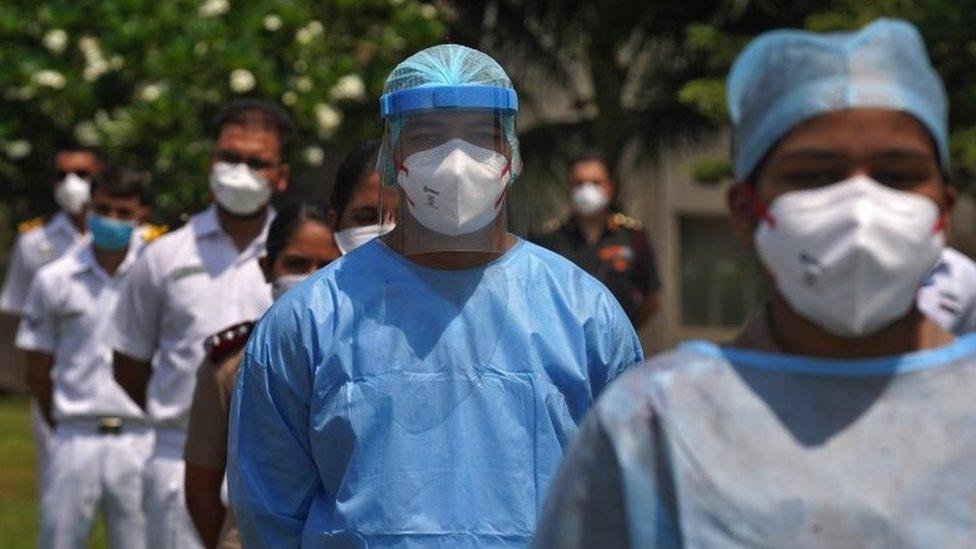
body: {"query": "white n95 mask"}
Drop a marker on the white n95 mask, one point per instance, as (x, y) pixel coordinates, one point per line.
(283, 283)
(354, 237)
(455, 188)
(851, 256)
(589, 198)
(239, 189)
(72, 193)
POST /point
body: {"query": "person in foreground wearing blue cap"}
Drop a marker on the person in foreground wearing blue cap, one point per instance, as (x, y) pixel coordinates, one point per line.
(840, 416)
(420, 391)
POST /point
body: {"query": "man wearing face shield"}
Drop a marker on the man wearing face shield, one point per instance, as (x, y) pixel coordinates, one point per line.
(420, 390)
(40, 242)
(188, 285)
(840, 416)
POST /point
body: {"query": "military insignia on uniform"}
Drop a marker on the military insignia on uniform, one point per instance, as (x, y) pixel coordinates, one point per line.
(619, 257)
(618, 220)
(226, 342)
(152, 232)
(552, 225)
(30, 224)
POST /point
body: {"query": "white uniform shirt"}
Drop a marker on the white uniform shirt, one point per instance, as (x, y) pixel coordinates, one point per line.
(184, 287)
(32, 250)
(68, 315)
(949, 295)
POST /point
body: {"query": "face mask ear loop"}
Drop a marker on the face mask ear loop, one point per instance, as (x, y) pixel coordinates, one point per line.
(507, 170)
(400, 167)
(758, 207)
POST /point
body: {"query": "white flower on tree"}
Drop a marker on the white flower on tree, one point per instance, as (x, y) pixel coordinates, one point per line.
(314, 155)
(151, 92)
(95, 63)
(18, 149)
(87, 133)
(241, 81)
(428, 11)
(49, 79)
(350, 86)
(289, 98)
(303, 84)
(309, 32)
(213, 8)
(55, 40)
(327, 117)
(272, 22)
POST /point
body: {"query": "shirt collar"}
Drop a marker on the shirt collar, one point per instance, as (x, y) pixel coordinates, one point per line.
(84, 259)
(208, 223)
(61, 222)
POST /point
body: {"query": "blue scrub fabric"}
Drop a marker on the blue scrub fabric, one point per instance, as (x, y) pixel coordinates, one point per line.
(713, 447)
(384, 404)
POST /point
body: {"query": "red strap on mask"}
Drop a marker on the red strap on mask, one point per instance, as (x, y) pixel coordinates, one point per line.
(758, 207)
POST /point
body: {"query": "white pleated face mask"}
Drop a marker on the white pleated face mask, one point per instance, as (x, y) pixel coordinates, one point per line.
(72, 194)
(354, 237)
(283, 283)
(850, 256)
(239, 189)
(589, 198)
(455, 188)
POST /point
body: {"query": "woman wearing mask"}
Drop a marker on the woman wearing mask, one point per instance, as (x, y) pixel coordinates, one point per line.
(300, 241)
(840, 416)
(357, 196)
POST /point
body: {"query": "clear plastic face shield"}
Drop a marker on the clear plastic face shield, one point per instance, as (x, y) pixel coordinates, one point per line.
(452, 156)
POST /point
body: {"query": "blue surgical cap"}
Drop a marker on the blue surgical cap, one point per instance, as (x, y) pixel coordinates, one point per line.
(785, 77)
(456, 77)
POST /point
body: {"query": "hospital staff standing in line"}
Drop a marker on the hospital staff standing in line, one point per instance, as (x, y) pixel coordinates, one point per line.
(420, 390)
(190, 284)
(100, 439)
(300, 241)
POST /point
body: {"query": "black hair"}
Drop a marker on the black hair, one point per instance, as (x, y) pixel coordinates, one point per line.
(250, 112)
(287, 223)
(354, 168)
(123, 182)
(66, 145)
(589, 155)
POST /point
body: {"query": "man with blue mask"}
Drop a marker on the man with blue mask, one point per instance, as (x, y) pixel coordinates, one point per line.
(420, 390)
(193, 282)
(100, 441)
(840, 416)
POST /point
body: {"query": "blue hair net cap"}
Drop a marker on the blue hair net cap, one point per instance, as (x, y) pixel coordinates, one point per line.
(785, 77)
(443, 77)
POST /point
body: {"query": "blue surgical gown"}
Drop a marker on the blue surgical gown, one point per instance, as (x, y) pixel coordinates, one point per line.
(384, 404)
(715, 447)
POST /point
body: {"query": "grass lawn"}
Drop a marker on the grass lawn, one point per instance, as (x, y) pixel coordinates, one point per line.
(18, 496)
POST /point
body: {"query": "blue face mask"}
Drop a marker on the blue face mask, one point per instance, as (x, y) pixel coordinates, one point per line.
(110, 234)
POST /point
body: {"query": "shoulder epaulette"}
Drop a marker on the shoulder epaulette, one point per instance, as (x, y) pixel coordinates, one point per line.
(30, 224)
(552, 225)
(152, 232)
(227, 342)
(625, 221)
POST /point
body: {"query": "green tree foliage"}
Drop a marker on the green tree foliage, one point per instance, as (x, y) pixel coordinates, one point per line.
(653, 73)
(143, 78)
